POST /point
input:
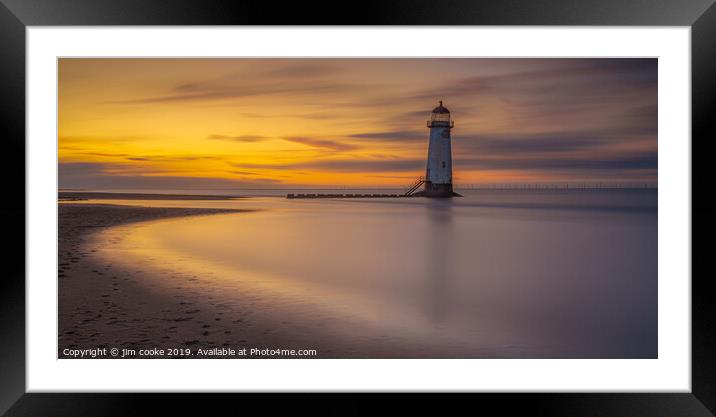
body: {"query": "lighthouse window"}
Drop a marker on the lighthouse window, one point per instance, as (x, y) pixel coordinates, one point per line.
(443, 164)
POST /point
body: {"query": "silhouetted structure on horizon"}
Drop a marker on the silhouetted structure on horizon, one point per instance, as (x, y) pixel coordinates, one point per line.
(438, 173)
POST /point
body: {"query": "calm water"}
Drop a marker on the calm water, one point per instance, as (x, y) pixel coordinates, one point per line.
(515, 273)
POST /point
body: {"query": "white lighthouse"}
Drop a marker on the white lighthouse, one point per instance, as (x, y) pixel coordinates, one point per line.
(438, 175)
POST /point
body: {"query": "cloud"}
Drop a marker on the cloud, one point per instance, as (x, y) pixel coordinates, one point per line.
(237, 92)
(395, 135)
(644, 118)
(277, 72)
(573, 77)
(300, 79)
(69, 140)
(239, 138)
(114, 176)
(72, 171)
(304, 70)
(322, 143)
(296, 79)
(634, 161)
(344, 165)
(107, 154)
(321, 116)
(78, 171)
(559, 93)
(174, 158)
(535, 143)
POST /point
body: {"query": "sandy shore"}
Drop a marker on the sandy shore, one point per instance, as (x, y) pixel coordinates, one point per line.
(104, 305)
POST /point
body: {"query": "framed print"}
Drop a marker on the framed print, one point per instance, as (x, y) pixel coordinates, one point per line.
(496, 201)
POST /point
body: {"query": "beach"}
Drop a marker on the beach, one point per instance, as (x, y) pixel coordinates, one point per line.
(102, 305)
(496, 274)
(105, 305)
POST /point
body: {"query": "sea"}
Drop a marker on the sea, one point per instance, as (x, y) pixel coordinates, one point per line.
(516, 273)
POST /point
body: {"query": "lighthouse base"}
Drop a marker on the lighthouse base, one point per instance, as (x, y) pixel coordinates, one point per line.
(434, 190)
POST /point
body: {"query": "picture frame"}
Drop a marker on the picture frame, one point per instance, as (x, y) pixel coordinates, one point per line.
(17, 15)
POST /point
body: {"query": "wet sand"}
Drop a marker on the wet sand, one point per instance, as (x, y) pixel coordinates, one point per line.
(104, 305)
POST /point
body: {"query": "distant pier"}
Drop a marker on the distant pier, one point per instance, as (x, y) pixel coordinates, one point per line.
(411, 191)
(348, 196)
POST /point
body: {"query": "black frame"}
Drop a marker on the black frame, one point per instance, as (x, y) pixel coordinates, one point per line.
(15, 15)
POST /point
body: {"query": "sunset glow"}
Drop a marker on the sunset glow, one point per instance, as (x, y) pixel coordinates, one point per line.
(267, 123)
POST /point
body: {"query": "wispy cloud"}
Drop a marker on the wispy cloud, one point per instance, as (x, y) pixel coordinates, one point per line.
(239, 92)
(112, 176)
(343, 165)
(304, 70)
(239, 138)
(322, 143)
(532, 143)
(106, 154)
(174, 158)
(297, 79)
(623, 163)
(70, 140)
(399, 135)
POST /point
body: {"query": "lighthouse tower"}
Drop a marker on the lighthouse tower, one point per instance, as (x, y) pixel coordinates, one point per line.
(438, 175)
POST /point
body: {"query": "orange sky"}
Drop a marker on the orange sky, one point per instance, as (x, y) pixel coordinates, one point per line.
(255, 123)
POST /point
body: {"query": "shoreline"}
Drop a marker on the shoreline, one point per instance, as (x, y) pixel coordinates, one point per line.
(103, 304)
(96, 301)
(96, 195)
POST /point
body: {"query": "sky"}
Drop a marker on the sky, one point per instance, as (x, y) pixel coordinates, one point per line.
(280, 123)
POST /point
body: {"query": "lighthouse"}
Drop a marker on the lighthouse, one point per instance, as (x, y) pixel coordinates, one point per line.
(437, 181)
(438, 174)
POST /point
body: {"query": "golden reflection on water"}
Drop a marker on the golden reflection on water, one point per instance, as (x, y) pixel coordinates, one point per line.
(563, 282)
(150, 244)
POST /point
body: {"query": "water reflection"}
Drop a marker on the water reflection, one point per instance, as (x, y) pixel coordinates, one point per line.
(438, 259)
(572, 275)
